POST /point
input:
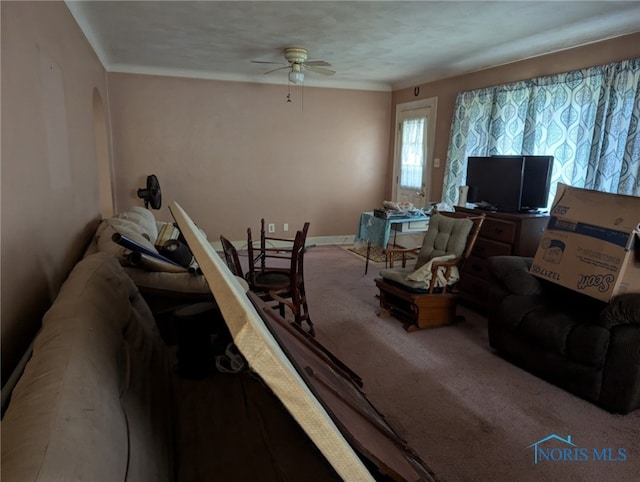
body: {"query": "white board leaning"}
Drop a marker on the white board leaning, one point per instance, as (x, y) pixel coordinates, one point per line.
(265, 356)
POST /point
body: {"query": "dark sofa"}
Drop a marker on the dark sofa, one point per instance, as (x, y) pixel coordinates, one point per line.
(588, 347)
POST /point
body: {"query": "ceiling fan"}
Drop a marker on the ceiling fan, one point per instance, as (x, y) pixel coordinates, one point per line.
(297, 64)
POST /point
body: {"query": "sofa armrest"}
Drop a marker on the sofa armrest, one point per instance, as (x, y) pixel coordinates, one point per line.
(622, 309)
(621, 374)
(512, 274)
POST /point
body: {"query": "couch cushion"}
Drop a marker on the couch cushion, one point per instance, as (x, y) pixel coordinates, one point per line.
(66, 419)
(106, 244)
(147, 398)
(515, 308)
(588, 344)
(566, 332)
(137, 223)
(548, 329)
(168, 283)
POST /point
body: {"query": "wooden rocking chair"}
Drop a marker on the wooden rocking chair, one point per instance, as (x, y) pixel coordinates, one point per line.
(425, 296)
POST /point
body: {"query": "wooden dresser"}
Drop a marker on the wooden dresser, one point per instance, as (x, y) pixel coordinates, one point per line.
(502, 234)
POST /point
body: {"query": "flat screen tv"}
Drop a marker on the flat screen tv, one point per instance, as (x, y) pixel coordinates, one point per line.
(509, 183)
(536, 182)
(495, 183)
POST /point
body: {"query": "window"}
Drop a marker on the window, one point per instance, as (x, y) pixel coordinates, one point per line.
(586, 119)
(412, 155)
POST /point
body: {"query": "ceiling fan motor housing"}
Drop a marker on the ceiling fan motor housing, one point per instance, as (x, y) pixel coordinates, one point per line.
(295, 55)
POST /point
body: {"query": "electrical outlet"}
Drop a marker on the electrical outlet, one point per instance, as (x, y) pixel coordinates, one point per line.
(272, 228)
(436, 163)
(285, 227)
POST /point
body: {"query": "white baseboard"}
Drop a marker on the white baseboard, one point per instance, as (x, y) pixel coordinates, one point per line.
(311, 241)
(329, 240)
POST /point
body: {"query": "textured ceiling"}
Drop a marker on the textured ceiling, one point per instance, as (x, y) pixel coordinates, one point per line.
(371, 45)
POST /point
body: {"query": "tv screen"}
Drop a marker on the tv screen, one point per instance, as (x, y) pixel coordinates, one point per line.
(495, 182)
(536, 182)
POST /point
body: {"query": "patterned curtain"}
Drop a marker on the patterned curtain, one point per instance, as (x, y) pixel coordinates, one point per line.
(469, 137)
(586, 119)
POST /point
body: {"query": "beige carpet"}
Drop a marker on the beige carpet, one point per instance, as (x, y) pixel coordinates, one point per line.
(469, 414)
(376, 254)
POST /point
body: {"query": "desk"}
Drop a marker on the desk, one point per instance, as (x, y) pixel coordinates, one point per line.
(372, 229)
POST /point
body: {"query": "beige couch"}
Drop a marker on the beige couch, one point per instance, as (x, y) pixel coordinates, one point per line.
(97, 398)
(95, 402)
(100, 398)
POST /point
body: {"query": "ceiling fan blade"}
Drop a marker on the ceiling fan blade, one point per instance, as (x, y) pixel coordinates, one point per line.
(319, 70)
(264, 62)
(318, 63)
(279, 68)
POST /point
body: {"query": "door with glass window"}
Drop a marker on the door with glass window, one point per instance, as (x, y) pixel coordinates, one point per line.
(410, 166)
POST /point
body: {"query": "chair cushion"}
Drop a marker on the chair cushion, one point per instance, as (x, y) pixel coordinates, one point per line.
(445, 235)
(399, 276)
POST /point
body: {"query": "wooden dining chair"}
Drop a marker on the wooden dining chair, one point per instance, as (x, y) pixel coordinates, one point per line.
(231, 257)
(295, 296)
(273, 248)
(260, 283)
(279, 271)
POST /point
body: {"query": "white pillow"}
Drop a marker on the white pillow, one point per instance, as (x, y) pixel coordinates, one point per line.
(106, 244)
(143, 221)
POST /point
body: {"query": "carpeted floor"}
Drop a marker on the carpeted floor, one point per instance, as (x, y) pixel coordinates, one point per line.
(376, 254)
(469, 414)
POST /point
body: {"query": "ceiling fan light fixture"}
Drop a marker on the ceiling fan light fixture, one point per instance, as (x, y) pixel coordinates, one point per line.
(296, 77)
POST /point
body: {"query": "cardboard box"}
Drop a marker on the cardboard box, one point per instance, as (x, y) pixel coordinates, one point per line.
(591, 244)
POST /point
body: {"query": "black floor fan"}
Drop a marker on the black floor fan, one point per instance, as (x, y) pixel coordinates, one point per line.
(151, 194)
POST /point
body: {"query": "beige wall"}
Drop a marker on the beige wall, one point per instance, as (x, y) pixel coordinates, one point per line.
(231, 153)
(49, 176)
(615, 50)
